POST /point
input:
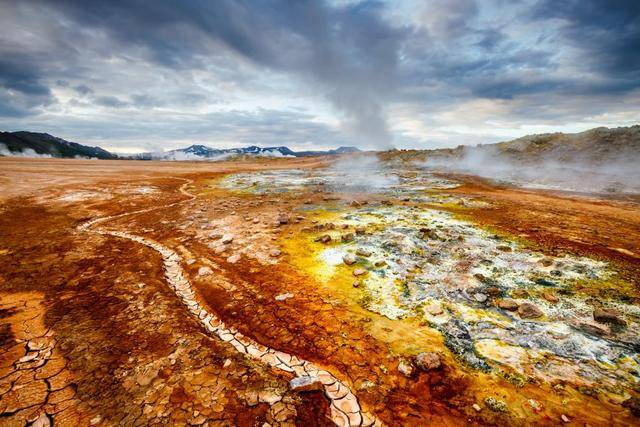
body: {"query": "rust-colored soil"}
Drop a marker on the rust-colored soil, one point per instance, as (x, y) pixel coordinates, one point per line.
(90, 333)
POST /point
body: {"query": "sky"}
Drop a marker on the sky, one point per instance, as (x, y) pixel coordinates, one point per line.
(134, 75)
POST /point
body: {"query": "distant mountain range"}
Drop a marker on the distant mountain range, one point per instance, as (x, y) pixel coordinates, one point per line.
(32, 144)
(201, 152)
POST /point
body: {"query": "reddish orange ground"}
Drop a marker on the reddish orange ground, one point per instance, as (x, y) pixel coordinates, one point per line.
(123, 349)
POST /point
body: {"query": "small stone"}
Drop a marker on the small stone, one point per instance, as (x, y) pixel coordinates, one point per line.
(380, 263)
(325, 238)
(306, 383)
(95, 420)
(565, 419)
(495, 404)
(233, 258)
(361, 230)
(283, 219)
(205, 271)
(546, 262)
(357, 284)
(42, 421)
(359, 272)
(604, 315)
(550, 297)
(405, 368)
(226, 239)
(434, 309)
(428, 360)
(145, 378)
(480, 297)
(529, 311)
(363, 252)
(226, 363)
(347, 237)
(283, 297)
(504, 248)
(476, 407)
(508, 304)
(349, 259)
(274, 253)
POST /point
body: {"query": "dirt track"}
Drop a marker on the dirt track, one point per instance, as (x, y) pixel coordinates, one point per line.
(92, 333)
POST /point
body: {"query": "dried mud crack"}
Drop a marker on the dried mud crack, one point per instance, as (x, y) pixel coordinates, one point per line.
(344, 405)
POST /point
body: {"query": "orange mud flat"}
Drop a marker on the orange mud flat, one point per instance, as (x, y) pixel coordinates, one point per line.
(92, 334)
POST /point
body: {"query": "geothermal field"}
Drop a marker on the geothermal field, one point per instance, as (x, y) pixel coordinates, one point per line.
(347, 290)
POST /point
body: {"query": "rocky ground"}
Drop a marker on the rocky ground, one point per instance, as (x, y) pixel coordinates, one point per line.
(288, 291)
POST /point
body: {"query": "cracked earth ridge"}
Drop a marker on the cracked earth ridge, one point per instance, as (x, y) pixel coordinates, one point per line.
(345, 408)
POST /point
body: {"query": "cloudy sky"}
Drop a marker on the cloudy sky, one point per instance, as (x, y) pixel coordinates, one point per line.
(134, 75)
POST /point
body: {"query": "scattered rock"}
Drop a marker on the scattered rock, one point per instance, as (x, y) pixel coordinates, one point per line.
(145, 378)
(504, 248)
(405, 367)
(480, 297)
(283, 297)
(226, 239)
(546, 262)
(325, 238)
(356, 284)
(508, 304)
(494, 291)
(495, 404)
(306, 383)
(380, 263)
(435, 309)
(361, 230)
(428, 361)
(359, 271)
(528, 310)
(233, 258)
(349, 259)
(363, 252)
(274, 253)
(550, 297)
(347, 237)
(283, 219)
(42, 421)
(205, 271)
(604, 315)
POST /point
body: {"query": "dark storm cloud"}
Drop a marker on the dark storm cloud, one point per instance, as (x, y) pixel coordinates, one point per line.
(348, 51)
(607, 32)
